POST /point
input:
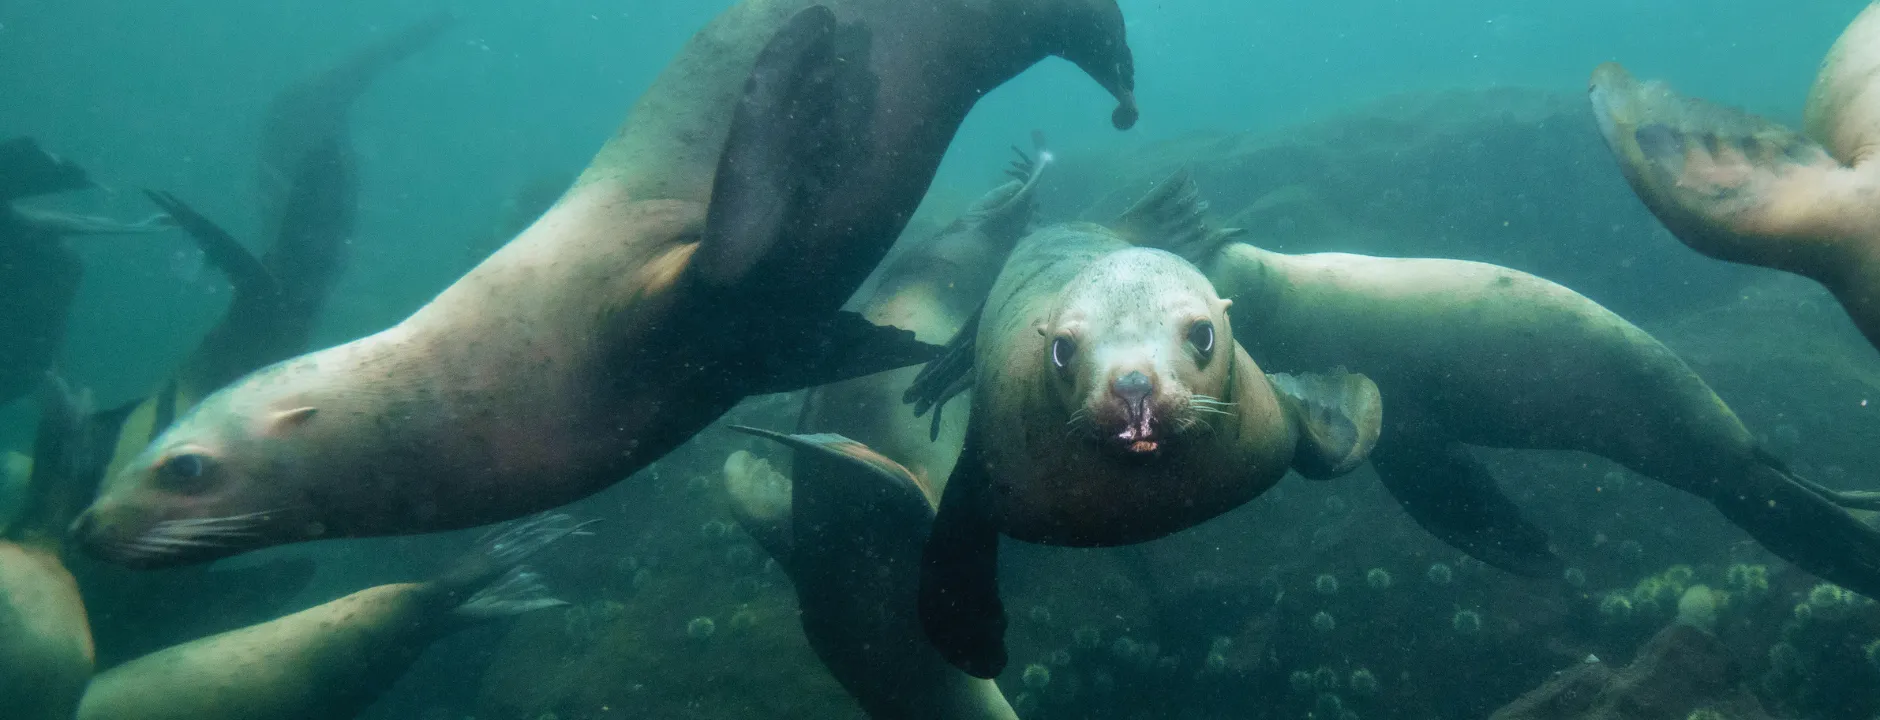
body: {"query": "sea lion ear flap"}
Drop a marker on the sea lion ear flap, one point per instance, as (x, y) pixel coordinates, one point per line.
(286, 420)
(1717, 177)
(959, 604)
(1173, 217)
(1338, 416)
(803, 117)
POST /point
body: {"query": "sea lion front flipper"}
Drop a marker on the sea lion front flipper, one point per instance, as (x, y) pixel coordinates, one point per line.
(947, 375)
(960, 607)
(1173, 217)
(843, 346)
(1338, 415)
(245, 271)
(26, 170)
(1729, 184)
(800, 121)
(1455, 498)
(842, 448)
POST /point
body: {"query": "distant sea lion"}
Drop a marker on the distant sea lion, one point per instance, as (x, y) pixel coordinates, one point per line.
(1737, 187)
(1475, 354)
(1111, 406)
(46, 654)
(332, 660)
(850, 542)
(39, 275)
(701, 258)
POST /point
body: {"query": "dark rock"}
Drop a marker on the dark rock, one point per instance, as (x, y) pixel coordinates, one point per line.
(1681, 671)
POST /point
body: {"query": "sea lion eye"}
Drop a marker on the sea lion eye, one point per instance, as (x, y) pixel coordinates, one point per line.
(1201, 335)
(1062, 350)
(186, 466)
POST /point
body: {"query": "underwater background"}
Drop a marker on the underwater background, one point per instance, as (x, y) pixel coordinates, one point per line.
(1447, 129)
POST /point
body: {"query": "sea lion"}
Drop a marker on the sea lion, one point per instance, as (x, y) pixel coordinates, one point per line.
(1111, 406)
(39, 275)
(331, 660)
(1741, 188)
(46, 654)
(1476, 354)
(851, 543)
(702, 257)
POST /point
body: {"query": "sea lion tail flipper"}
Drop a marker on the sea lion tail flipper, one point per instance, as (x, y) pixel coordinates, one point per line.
(803, 116)
(492, 578)
(959, 605)
(844, 346)
(1729, 184)
(761, 501)
(1802, 527)
(1004, 213)
(1455, 498)
(1173, 217)
(842, 448)
(26, 170)
(947, 375)
(1339, 416)
(245, 271)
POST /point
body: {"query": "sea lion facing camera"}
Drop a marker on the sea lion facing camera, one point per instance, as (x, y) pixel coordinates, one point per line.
(1740, 188)
(701, 258)
(1111, 405)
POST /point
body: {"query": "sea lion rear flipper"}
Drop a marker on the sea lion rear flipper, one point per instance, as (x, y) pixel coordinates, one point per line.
(1727, 183)
(842, 347)
(28, 171)
(960, 607)
(1454, 497)
(492, 578)
(245, 271)
(799, 122)
(842, 448)
(947, 375)
(1339, 415)
(1801, 526)
(1173, 217)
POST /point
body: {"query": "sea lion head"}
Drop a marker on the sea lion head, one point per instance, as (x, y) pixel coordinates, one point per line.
(215, 483)
(1140, 352)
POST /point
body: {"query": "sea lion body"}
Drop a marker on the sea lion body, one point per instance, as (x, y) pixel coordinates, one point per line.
(334, 659)
(1743, 189)
(1474, 354)
(45, 637)
(680, 273)
(1051, 487)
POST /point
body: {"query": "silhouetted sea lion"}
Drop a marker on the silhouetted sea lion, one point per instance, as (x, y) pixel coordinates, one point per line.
(39, 275)
(1737, 187)
(331, 660)
(701, 258)
(1475, 354)
(1111, 406)
(850, 542)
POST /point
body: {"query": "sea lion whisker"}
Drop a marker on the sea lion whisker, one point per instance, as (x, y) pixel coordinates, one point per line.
(172, 541)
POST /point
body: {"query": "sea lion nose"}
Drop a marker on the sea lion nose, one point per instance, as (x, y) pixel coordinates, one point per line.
(1133, 389)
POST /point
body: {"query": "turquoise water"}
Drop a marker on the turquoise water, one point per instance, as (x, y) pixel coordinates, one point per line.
(171, 97)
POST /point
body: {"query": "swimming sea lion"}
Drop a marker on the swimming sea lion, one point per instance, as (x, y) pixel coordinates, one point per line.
(1475, 354)
(1737, 187)
(850, 542)
(702, 257)
(331, 660)
(46, 654)
(39, 275)
(1111, 406)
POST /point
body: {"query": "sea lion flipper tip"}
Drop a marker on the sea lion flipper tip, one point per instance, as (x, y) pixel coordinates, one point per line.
(244, 271)
(844, 346)
(1340, 415)
(855, 453)
(1728, 183)
(959, 604)
(1455, 498)
(26, 170)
